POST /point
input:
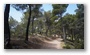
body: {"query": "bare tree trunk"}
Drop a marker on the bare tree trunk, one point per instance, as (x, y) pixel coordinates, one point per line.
(40, 28)
(50, 30)
(46, 32)
(64, 33)
(32, 24)
(26, 39)
(72, 34)
(6, 26)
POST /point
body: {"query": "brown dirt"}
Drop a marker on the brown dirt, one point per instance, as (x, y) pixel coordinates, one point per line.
(38, 43)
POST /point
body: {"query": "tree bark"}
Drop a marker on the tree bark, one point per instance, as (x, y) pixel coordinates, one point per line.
(64, 33)
(72, 34)
(29, 19)
(47, 31)
(6, 26)
(32, 24)
(50, 30)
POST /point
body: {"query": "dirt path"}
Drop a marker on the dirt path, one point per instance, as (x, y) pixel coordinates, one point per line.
(44, 44)
(54, 44)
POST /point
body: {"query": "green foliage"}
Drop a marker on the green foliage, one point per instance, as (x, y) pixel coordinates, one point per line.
(20, 7)
(36, 10)
(67, 47)
(59, 8)
(12, 22)
(80, 11)
(69, 20)
(48, 15)
(54, 18)
(71, 26)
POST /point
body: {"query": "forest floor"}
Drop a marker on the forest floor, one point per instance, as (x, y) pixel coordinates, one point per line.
(38, 43)
(55, 44)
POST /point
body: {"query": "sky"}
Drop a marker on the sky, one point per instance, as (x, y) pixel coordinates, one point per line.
(18, 14)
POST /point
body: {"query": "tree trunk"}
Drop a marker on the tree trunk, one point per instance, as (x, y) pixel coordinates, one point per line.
(64, 33)
(50, 30)
(6, 26)
(72, 33)
(47, 31)
(26, 39)
(38, 27)
(32, 24)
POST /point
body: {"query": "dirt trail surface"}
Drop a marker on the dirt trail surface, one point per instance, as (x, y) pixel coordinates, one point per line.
(38, 43)
(54, 44)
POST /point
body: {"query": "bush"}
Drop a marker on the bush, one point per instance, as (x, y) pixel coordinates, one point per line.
(67, 46)
(79, 45)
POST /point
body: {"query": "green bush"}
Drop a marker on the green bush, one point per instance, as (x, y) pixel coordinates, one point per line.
(67, 46)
